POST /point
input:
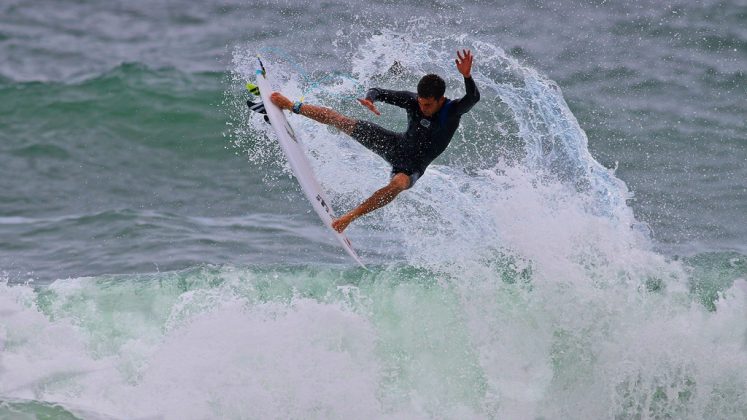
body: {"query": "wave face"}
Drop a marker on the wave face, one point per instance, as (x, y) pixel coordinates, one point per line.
(158, 260)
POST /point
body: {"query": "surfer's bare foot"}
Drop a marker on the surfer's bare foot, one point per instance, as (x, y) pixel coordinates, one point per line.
(341, 223)
(281, 101)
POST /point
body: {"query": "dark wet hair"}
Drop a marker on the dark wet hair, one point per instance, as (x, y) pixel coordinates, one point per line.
(431, 86)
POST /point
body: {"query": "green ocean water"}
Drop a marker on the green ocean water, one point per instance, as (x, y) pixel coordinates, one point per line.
(577, 252)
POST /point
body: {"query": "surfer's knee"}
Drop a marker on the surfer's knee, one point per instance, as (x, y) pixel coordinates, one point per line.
(400, 182)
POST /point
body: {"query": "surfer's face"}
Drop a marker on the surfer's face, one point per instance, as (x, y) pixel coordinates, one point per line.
(429, 106)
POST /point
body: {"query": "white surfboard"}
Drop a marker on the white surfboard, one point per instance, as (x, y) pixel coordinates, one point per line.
(298, 161)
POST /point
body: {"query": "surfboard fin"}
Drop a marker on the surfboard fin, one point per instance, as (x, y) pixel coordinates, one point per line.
(252, 88)
(259, 108)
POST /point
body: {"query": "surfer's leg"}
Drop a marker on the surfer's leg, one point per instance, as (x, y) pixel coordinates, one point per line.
(380, 198)
(318, 113)
(377, 139)
(330, 117)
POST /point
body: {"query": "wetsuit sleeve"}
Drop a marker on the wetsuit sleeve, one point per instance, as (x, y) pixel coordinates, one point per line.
(469, 100)
(399, 98)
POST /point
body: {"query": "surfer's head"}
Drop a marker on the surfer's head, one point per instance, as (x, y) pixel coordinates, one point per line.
(431, 90)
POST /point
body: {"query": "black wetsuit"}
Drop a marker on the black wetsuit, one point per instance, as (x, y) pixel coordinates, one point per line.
(426, 137)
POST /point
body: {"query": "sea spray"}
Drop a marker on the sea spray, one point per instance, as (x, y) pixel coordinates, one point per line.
(515, 284)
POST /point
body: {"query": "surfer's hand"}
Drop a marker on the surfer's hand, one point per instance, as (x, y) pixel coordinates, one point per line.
(464, 62)
(281, 101)
(370, 105)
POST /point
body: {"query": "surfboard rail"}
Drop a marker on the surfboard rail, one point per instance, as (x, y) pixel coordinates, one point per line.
(298, 161)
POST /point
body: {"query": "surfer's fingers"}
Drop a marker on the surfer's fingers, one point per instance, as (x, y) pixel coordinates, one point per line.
(370, 105)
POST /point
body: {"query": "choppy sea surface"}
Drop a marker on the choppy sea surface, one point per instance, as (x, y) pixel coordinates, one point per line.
(579, 251)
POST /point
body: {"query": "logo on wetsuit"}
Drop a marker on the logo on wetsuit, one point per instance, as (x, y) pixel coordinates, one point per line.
(425, 122)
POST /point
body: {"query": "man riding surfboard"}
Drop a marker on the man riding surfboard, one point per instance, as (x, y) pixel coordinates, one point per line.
(432, 120)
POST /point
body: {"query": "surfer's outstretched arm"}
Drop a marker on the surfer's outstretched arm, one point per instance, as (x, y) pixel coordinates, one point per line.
(464, 65)
(380, 198)
(317, 113)
(400, 98)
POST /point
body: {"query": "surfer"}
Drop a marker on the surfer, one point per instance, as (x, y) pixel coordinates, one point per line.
(432, 120)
